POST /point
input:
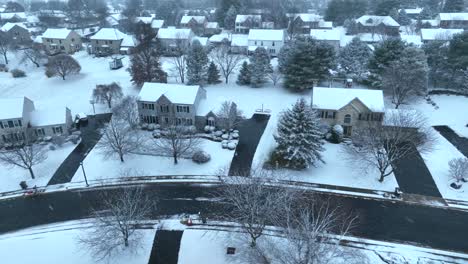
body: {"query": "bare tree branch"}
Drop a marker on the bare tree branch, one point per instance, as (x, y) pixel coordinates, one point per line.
(177, 141)
(227, 62)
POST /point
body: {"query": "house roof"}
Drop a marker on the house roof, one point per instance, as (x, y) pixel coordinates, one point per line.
(47, 117)
(7, 16)
(266, 34)
(453, 16)
(213, 25)
(203, 41)
(11, 107)
(157, 23)
(367, 20)
(129, 41)
(336, 98)
(56, 33)
(439, 33)
(326, 34)
(325, 24)
(412, 11)
(174, 33)
(8, 26)
(220, 37)
(145, 20)
(176, 93)
(109, 34)
(243, 18)
(239, 40)
(308, 17)
(199, 19)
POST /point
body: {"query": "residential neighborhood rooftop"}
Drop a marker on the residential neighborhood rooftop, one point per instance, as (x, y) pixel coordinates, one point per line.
(368, 20)
(439, 33)
(109, 34)
(176, 93)
(336, 98)
(56, 33)
(10, 25)
(326, 34)
(11, 107)
(454, 16)
(267, 34)
(174, 33)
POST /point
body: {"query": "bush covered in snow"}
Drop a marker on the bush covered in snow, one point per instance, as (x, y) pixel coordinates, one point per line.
(201, 157)
(58, 140)
(336, 134)
(16, 73)
(151, 127)
(144, 126)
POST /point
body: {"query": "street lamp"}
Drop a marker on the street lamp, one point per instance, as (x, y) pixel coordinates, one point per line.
(84, 173)
(92, 102)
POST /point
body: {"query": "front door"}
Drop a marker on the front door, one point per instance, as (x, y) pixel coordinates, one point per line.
(347, 130)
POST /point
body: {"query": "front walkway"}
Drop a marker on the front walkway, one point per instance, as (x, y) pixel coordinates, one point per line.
(461, 143)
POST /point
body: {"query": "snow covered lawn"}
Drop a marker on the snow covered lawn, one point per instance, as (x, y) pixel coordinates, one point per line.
(12, 176)
(437, 163)
(98, 167)
(57, 243)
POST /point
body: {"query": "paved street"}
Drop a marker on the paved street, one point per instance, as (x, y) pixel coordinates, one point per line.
(380, 220)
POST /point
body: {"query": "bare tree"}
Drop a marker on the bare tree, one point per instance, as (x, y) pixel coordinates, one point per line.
(62, 65)
(381, 146)
(119, 138)
(228, 115)
(127, 109)
(177, 141)
(179, 61)
(458, 169)
(105, 93)
(24, 153)
(35, 54)
(275, 76)
(227, 62)
(114, 229)
(5, 45)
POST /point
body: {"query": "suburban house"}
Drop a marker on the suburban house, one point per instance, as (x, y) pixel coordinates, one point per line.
(172, 38)
(18, 32)
(57, 40)
(348, 107)
(270, 39)
(196, 23)
(303, 23)
(12, 17)
(156, 24)
(438, 34)
(329, 36)
(239, 43)
(453, 20)
(244, 23)
(212, 28)
(384, 25)
(19, 115)
(412, 12)
(108, 41)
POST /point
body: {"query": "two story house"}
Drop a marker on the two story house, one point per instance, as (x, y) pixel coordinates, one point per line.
(58, 40)
(349, 108)
(108, 41)
(12, 17)
(244, 23)
(17, 32)
(453, 20)
(438, 34)
(304, 22)
(329, 36)
(384, 25)
(196, 23)
(270, 39)
(172, 39)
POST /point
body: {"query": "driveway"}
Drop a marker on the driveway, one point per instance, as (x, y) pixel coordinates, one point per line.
(89, 138)
(250, 131)
(461, 143)
(166, 247)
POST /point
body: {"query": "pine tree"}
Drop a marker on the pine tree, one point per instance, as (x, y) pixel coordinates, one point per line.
(453, 6)
(308, 61)
(403, 18)
(385, 53)
(354, 59)
(230, 18)
(145, 66)
(299, 139)
(197, 62)
(213, 74)
(244, 74)
(260, 67)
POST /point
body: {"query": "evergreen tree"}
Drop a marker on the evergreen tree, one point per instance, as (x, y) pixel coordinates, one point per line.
(340, 10)
(385, 53)
(458, 51)
(260, 66)
(308, 61)
(354, 59)
(213, 74)
(439, 68)
(197, 62)
(299, 139)
(403, 18)
(230, 18)
(384, 7)
(244, 74)
(145, 66)
(453, 6)
(132, 9)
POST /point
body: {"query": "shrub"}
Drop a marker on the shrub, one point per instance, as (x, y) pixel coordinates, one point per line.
(49, 73)
(58, 140)
(52, 147)
(336, 134)
(16, 73)
(201, 157)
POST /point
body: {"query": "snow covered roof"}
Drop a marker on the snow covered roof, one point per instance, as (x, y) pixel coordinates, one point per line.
(203, 41)
(239, 40)
(47, 117)
(432, 22)
(8, 16)
(145, 20)
(109, 34)
(32, 19)
(308, 17)
(8, 26)
(267, 34)
(38, 39)
(129, 41)
(412, 11)
(11, 107)
(439, 33)
(56, 33)
(199, 19)
(336, 98)
(243, 18)
(213, 25)
(112, 21)
(217, 38)
(157, 23)
(174, 33)
(325, 24)
(367, 20)
(176, 93)
(453, 16)
(326, 34)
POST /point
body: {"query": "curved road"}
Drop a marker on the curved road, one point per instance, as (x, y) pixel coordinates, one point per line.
(381, 220)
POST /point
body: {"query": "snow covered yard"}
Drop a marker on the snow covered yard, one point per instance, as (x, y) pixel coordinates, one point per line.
(57, 243)
(12, 176)
(98, 167)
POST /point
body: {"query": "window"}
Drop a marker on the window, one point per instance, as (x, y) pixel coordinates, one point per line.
(183, 109)
(39, 132)
(328, 114)
(164, 108)
(255, 43)
(347, 119)
(16, 123)
(73, 39)
(150, 119)
(60, 41)
(210, 121)
(147, 106)
(57, 130)
(272, 51)
(1, 125)
(261, 43)
(166, 120)
(272, 43)
(10, 124)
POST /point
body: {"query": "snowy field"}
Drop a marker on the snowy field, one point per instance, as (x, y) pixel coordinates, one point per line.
(12, 176)
(98, 167)
(57, 243)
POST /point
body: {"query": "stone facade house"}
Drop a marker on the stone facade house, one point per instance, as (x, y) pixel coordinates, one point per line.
(244, 23)
(453, 20)
(270, 39)
(58, 40)
(18, 32)
(347, 107)
(383, 25)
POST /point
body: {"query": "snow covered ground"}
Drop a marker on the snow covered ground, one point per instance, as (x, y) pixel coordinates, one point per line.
(57, 243)
(98, 167)
(12, 176)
